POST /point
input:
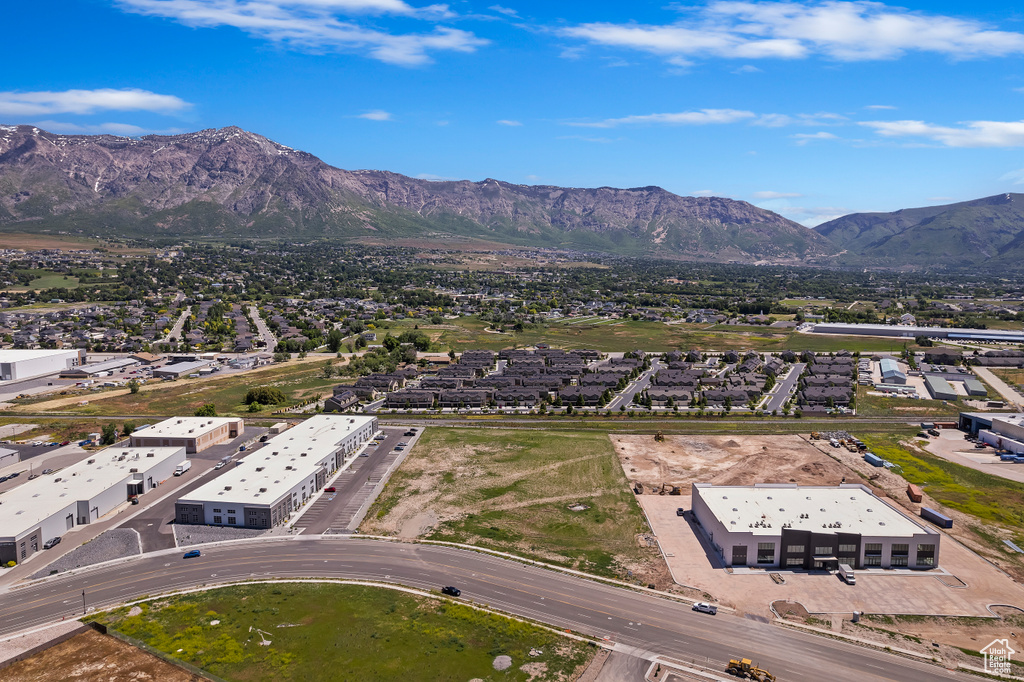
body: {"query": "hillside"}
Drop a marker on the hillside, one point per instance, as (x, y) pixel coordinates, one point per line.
(233, 183)
(987, 231)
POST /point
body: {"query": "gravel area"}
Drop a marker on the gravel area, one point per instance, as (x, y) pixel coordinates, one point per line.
(187, 535)
(116, 543)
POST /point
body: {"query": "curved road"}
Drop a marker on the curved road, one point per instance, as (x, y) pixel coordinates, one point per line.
(646, 622)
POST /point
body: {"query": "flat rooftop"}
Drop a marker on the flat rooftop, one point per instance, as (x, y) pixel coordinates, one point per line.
(105, 366)
(14, 355)
(184, 427)
(264, 476)
(765, 509)
(28, 504)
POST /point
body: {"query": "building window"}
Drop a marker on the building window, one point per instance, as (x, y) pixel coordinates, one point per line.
(216, 511)
(926, 560)
(765, 552)
(231, 511)
(925, 549)
(795, 561)
(900, 550)
(873, 549)
(217, 519)
(231, 520)
(795, 549)
(899, 561)
(847, 549)
(872, 561)
(195, 518)
(822, 551)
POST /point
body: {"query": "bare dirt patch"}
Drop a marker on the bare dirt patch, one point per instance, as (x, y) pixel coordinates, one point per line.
(725, 460)
(92, 656)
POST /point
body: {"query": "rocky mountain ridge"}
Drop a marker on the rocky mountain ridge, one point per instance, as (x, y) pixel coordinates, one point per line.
(233, 183)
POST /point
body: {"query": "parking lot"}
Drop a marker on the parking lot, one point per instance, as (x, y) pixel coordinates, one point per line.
(358, 485)
(950, 445)
(964, 585)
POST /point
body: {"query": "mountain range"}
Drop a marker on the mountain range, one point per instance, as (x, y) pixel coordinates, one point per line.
(232, 183)
(985, 232)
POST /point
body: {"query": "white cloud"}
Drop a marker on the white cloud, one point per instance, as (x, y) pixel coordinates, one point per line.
(533, 178)
(776, 195)
(969, 134)
(823, 118)
(748, 68)
(507, 11)
(846, 31)
(119, 129)
(810, 216)
(314, 25)
(434, 178)
(701, 117)
(376, 115)
(703, 193)
(880, 106)
(507, 122)
(1016, 177)
(88, 102)
(804, 138)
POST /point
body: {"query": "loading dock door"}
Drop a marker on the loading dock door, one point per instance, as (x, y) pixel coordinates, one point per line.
(70, 520)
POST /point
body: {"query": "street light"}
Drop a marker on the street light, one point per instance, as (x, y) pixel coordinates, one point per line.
(83, 602)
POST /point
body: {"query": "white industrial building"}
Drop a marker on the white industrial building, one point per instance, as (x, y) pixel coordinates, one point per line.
(100, 369)
(9, 457)
(910, 332)
(49, 506)
(195, 434)
(1003, 431)
(263, 489)
(810, 528)
(16, 365)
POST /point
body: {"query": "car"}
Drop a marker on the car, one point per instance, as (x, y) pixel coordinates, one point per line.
(47, 471)
(680, 511)
(192, 555)
(219, 465)
(134, 499)
(981, 446)
(364, 454)
(2, 479)
(451, 591)
(14, 475)
(403, 444)
(408, 433)
(67, 442)
(52, 542)
(705, 607)
(331, 489)
(264, 439)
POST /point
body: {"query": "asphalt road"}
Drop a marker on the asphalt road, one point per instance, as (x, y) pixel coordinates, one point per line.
(644, 621)
(640, 384)
(784, 387)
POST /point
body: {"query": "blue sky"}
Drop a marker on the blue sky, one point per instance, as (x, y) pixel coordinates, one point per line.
(811, 109)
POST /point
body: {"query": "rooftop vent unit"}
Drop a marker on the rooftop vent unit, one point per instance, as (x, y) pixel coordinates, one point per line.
(263, 490)
(227, 487)
(91, 461)
(150, 454)
(133, 470)
(260, 468)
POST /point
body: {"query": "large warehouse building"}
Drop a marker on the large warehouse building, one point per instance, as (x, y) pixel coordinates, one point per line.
(1003, 431)
(811, 528)
(51, 505)
(264, 488)
(16, 365)
(902, 331)
(195, 434)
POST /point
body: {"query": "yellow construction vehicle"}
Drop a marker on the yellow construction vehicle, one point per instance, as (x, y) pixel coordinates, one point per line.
(815, 435)
(747, 670)
(659, 437)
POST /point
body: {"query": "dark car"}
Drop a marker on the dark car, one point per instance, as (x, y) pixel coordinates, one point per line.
(52, 542)
(408, 433)
(680, 511)
(192, 555)
(14, 475)
(332, 489)
(451, 591)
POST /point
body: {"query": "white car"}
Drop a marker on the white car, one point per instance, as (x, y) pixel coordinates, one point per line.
(219, 465)
(705, 607)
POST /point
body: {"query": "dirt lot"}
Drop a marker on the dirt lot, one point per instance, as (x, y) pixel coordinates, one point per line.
(725, 460)
(95, 657)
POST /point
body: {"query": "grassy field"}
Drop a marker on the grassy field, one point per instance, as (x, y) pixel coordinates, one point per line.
(884, 406)
(342, 632)
(512, 491)
(623, 335)
(297, 380)
(1011, 375)
(996, 503)
(48, 280)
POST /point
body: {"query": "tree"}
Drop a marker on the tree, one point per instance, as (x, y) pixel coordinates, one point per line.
(255, 407)
(207, 410)
(390, 342)
(134, 385)
(128, 428)
(265, 395)
(108, 434)
(328, 369)
(334, 339)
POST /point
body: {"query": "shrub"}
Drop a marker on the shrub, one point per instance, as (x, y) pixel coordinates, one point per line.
(265, 395)
(207, 410)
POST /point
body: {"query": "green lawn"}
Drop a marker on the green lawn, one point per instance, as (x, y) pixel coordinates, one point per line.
(343, 632)
(511, 491)
(47, 279)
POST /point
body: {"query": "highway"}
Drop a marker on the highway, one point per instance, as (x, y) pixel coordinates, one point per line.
(645, 621)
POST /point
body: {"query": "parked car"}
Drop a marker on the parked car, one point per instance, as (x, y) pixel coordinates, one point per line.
(47, 471)
(705, 607)
(408, 433)
(451, 591)
(332, 489)
(192, 555)
(219, 465)
(52, 542)
(14, 475)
